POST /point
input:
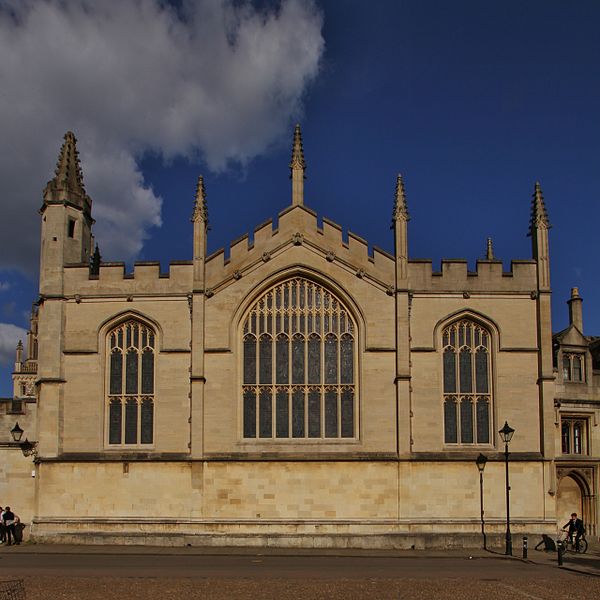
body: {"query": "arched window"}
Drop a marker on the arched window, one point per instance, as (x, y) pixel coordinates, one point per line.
(130, 398)
(299, 364)
(467, 383)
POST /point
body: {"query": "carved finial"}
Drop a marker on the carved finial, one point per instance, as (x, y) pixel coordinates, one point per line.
(575, 292)
(297, 161)
(400, 208)
(95, 262)
(200, 205)
(67, 183)
(489, 253)
(539, 215)
(19, 352)
(297, 167)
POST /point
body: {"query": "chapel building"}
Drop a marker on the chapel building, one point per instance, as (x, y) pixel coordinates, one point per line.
(300, 392)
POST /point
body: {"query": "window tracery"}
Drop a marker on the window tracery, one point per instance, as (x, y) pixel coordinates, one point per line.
(130, 396)
(574, 435)
(299, 358)
(466, 383)
(573, 367)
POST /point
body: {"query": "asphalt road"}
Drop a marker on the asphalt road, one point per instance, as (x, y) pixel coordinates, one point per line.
(181, 577)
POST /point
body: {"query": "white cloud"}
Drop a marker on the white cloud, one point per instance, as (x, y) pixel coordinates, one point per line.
(217, 79)
(9, 337)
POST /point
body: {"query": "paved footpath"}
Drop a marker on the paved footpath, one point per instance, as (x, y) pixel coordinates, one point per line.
(124, 572)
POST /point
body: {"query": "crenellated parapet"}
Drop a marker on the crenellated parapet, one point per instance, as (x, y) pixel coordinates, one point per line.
(298, 227)
(114, 280)
(299, 238)
(489, 276)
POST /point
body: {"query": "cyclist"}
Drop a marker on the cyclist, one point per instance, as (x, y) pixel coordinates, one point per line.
(575, 530)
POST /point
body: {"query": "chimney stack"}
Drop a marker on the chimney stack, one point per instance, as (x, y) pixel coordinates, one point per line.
(575, 309)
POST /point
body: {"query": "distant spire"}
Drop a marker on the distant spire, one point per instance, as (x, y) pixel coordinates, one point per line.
(489, 253)
(400, 208)
(200, 205)
(95, 262)
(67, 183)
(539, 215)
(297, 167)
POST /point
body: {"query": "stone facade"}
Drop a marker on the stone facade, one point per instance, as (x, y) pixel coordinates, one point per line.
(300, 392)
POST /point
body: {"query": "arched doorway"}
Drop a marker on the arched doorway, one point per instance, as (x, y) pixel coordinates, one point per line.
(574, 496)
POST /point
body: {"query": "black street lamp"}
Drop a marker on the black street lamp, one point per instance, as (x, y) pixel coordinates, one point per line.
(27, 448)
(480, 462)
(506, 434)
(16, 432)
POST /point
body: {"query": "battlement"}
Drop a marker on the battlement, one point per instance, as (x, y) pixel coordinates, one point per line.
(113, 279)
(298, 225)
(488, 276)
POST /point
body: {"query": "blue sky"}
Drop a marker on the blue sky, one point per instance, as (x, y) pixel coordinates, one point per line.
(471, 101)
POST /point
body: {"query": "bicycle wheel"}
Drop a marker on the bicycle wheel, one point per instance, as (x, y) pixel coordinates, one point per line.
(582, 546)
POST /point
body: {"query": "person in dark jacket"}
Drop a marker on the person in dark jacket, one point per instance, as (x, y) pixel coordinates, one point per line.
(574, 527)
(9, 523)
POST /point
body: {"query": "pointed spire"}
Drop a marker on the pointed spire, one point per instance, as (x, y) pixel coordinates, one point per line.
(297, 167)
(489, 253)
(67, 183)
(297, 161)
(539, 215)
(400, 208)
(95, 262)
(200, 205)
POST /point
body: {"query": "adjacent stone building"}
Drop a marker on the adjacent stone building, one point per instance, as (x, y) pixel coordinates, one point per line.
(298, 392)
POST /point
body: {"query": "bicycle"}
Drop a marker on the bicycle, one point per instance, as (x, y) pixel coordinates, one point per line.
(569, 544)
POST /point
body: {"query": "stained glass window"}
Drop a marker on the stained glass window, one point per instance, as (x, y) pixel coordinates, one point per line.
(466, 370)
(130, 416)
(300, 340)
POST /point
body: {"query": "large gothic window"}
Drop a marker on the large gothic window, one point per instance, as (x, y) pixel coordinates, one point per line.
(467, 383)
(130, 396)
(299, 364)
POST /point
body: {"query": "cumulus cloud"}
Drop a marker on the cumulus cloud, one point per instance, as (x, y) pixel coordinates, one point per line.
(213, 79)
(9, 337)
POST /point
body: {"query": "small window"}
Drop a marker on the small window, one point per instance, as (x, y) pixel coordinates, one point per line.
(71, 228)
(573, 367)
(574, 435)
(16, 407)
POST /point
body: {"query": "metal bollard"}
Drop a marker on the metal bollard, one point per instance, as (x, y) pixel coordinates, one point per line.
(559, 550)
(524, 546)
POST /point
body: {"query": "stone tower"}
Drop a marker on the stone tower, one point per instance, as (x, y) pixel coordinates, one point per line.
(66, 220)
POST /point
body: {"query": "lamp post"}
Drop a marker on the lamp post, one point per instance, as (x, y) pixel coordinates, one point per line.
(506, 434)
(480, 462)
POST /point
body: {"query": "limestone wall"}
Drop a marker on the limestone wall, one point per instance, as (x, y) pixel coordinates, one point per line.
(17, 482)
(282, 498)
